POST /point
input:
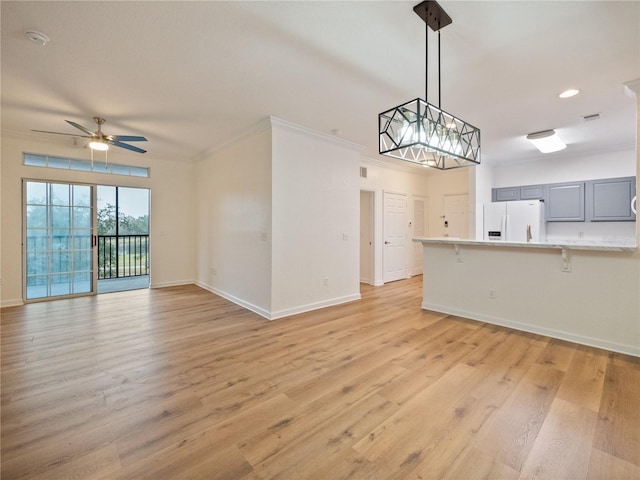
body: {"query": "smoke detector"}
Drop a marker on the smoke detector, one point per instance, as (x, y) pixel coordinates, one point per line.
(37, 37)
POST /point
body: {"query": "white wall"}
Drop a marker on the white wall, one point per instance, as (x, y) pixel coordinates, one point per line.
(594, 304)
(566, 169)
(234, 221)
(385, 176)
(277, 214)
(316, 221)
(172, 220)
(480, 184)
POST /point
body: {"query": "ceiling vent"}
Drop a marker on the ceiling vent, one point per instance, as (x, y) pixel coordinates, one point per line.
(593, 116)
(363, 172)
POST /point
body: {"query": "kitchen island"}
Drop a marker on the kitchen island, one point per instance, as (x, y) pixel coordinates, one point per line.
(582, 291)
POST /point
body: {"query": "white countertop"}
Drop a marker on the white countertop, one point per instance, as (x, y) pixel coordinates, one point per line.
(605, 245)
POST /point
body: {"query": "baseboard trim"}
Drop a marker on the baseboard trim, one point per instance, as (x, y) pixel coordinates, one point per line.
(16, 302)
(238, 301)
(269, 315)
(548, 332)
(287, 312)
(177, 283)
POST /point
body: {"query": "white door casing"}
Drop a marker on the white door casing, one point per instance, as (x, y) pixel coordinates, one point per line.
(395, 237)
(420, 230)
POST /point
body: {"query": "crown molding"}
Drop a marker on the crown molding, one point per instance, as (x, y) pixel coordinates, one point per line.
(285, 125)
(632, 88)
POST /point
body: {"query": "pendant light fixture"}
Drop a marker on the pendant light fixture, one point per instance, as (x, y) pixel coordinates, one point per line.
(422, 133)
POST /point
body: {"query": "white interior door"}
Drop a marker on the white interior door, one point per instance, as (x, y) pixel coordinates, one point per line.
(395, 237)
(455, 221)
(420, 230)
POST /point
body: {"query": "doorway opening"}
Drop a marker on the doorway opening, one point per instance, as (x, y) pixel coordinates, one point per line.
(122, 238)
(367, 228)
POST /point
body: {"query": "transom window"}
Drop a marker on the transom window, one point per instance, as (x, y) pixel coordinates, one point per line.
(48, 161)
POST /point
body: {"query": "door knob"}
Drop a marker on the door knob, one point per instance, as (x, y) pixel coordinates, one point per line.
(386, 243)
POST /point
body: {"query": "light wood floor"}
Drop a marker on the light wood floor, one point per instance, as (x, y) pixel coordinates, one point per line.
(178, 383)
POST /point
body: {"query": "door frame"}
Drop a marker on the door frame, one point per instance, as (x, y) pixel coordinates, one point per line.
(418, 269)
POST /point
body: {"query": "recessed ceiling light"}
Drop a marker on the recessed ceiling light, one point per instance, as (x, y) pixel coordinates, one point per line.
(37, 37)
(572, 92)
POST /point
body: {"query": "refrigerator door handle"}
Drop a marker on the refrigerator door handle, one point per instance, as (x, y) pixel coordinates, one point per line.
(503, 227)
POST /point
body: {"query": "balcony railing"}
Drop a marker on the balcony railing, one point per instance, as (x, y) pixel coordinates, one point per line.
(123, 256)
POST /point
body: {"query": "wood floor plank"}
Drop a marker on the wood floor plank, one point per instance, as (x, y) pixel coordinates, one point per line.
(604, 466)
(180, 383)
(399, 442)
(557, 354)
(292, 450)
(510, 436)
(473, 464)
(618, 432)
(584, 381)
(563, 445)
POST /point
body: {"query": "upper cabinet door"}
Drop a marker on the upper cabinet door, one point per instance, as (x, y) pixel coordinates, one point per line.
(532, 192)
(506, 194)
(609, 200)
(565, 202)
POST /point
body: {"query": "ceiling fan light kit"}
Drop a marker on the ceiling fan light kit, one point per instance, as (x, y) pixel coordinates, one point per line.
(422, 133)
(98, 144)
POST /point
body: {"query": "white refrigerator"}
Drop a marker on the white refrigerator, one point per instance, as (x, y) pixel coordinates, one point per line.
(520, 221)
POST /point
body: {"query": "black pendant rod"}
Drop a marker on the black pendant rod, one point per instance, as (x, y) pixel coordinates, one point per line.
(439, 82)
(426, 62)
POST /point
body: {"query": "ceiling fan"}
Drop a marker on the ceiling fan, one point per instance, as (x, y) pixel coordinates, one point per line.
(100, 141)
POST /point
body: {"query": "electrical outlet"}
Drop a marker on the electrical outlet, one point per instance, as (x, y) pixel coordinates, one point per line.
(326, 282)
(492, 294)
(213, 271)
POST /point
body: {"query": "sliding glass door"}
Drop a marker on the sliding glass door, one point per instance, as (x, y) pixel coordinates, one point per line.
(58, 233)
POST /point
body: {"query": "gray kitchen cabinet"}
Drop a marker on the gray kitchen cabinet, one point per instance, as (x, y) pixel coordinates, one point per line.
(532, 192)
(564, 202)
(506, 194)
(609, 200)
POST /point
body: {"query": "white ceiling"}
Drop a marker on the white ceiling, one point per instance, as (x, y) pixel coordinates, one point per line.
(192, 75)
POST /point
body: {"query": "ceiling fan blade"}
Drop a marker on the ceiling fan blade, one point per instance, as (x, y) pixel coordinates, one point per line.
(59, 133)
(126, 138)
(80, 127)
(124, 145)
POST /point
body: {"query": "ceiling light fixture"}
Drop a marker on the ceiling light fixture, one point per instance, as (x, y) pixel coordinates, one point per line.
(99, 144)
(572, 92)
(422, 133)
(546, 141)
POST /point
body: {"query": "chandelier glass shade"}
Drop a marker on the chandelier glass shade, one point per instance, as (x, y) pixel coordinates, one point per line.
(422, 133)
